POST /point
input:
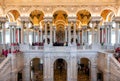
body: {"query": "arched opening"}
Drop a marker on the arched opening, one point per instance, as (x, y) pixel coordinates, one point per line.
(107, 16)
(36, 69)
(84, 33)
(19, 76)
(83, 73)
(60, 70)
(12, 16)
(36, 29)
(99, 75)
(60, 20)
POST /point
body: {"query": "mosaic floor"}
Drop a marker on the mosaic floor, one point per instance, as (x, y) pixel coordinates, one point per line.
(61, 75)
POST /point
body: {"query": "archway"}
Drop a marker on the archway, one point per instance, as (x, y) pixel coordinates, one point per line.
(12, 16)
(60, 70)
(36, 17)
(107, 16)
(83, 17)
(83, 69)
(36, 69)
(60, 20)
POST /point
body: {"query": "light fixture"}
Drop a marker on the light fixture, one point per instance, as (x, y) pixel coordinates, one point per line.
(29, 25)
(113, 24)
(6, 24)
(90, 24)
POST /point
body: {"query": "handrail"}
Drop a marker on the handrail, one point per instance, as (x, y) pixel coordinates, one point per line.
(4, 62)
(114, 69)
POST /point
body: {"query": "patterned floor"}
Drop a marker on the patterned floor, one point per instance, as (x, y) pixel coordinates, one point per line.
(61, 75)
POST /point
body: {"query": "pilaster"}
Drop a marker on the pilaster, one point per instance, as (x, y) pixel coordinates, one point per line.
(23, 19)
(95, 20)
(3, 20)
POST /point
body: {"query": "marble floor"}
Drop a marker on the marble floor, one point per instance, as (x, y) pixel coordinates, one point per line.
(60, 75)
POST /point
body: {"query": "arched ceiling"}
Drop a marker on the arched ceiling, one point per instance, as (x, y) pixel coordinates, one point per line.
(107, 15)
(60, 15)
(36, 16)
(84, 17)
(13, 15)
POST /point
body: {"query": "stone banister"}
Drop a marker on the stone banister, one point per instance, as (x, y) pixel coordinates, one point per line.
(114, 69)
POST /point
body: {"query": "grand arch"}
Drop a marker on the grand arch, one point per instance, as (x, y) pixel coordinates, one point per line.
(34, 8)
(12, 8)
(60, 9)
(109, 8)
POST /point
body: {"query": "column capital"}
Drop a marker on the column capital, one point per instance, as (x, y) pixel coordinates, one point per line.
(24, 19)
(96, 19)
(48, 19)
(108, 23)
(72, 19)
(116, 19)
(12, 24)
(3, 19)
(84, 27)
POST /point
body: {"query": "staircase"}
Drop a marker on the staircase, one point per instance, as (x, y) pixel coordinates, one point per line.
(10, 67)
(109, 66)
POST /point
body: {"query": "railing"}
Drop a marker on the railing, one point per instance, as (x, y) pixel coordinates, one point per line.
(10, 66)
(108, 64)
(2, 58)
(5, 70)
(114, 69)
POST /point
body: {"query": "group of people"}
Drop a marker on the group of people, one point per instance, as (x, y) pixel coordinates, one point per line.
(12, 48)
(38, 44)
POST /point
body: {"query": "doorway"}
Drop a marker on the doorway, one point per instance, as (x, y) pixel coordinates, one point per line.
(83, 70)
(60, 70)
(36, 69)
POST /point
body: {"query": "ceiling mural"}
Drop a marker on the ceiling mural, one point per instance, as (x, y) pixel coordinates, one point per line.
(60, 15)
(84, 17)
(36, 16)
(13, 15)
(107, 15)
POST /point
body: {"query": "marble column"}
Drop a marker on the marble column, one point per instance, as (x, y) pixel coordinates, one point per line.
(79, 35)
(93, 73)
(116, 25)
(22, 32)
(46, 34)
(69, 35)
(110, 28)
(18, 35)
(95, 20)
(66, 34)
(93, 34)
(102, 34)
(74, 33)
(51, 30)
(47, 69)
(54, 34)
(27, 35)
(98, 35)
(106, 35)
(26, 73)
(41, 35)
(10, 34)
(24, 19)
(3, 20)
(3, 33)
(38, 35)
(14, 34)
(117, 33)
(73, 72)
